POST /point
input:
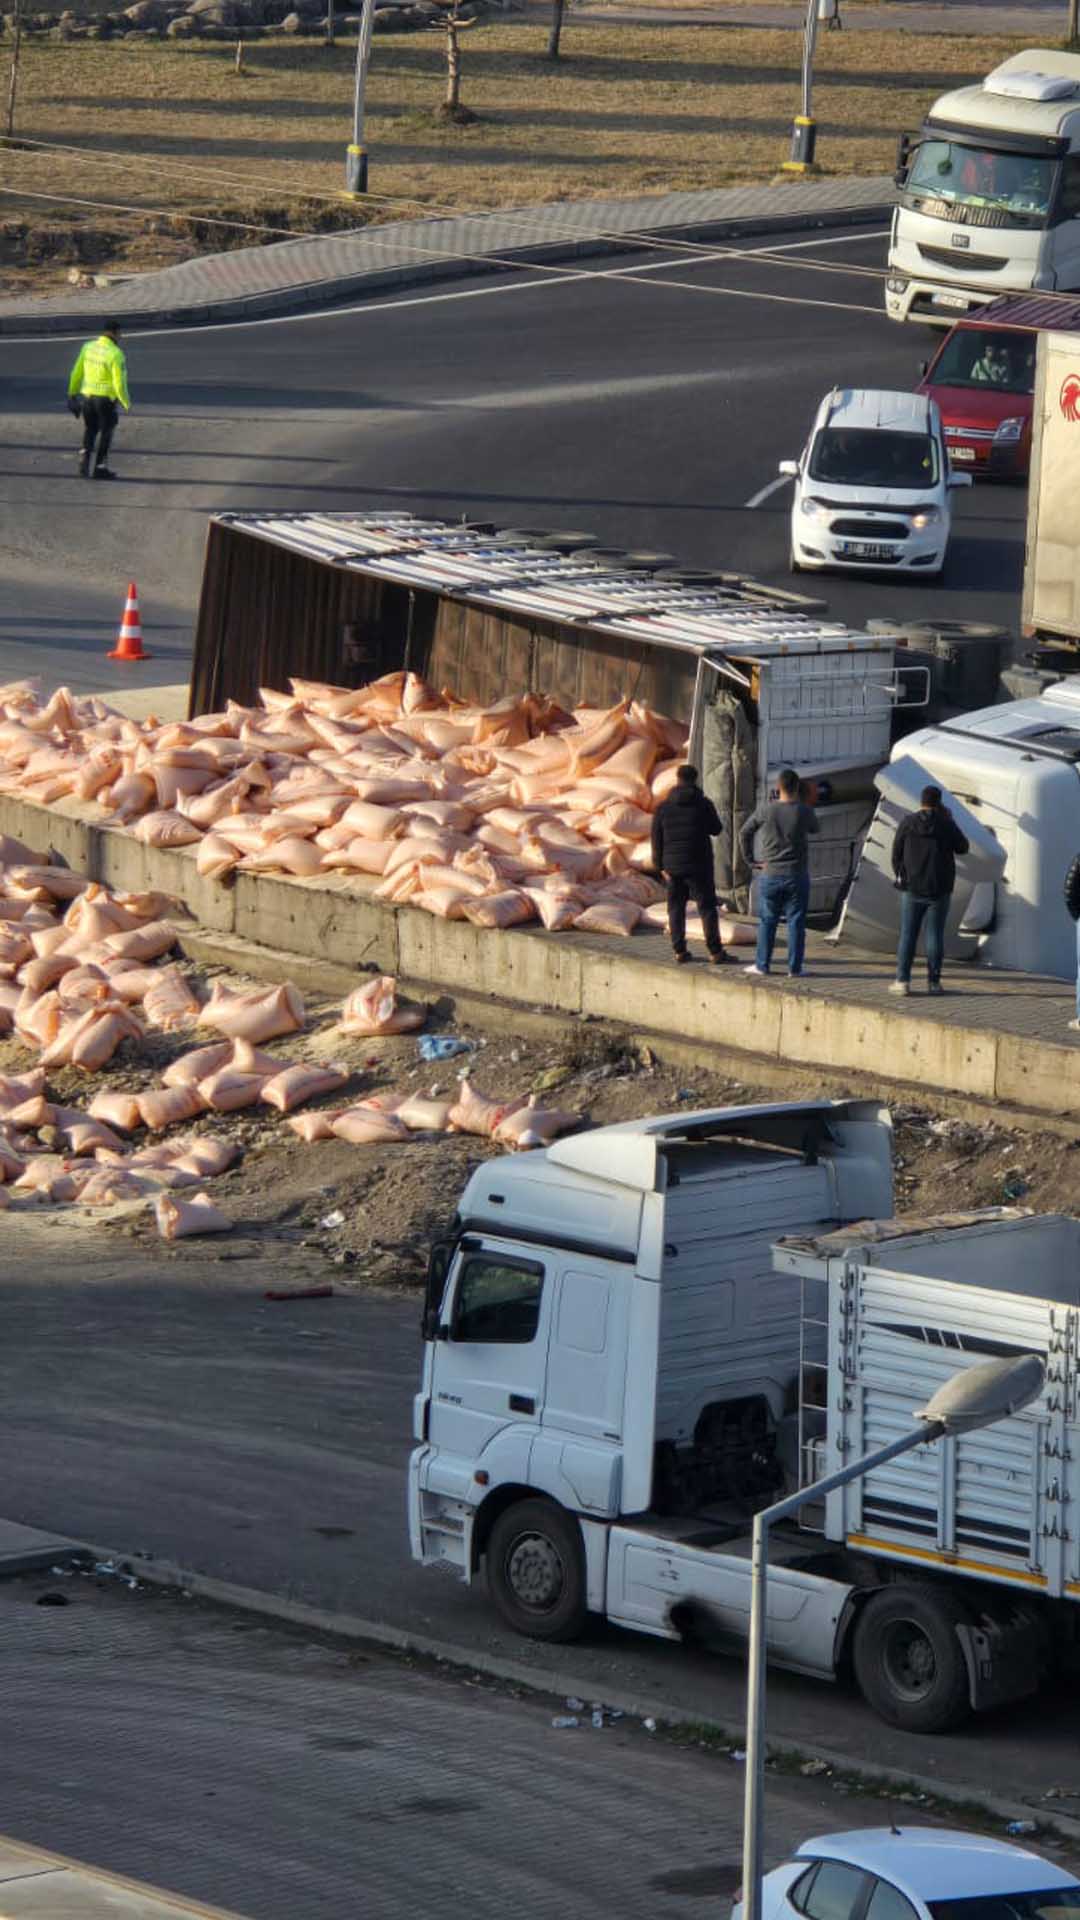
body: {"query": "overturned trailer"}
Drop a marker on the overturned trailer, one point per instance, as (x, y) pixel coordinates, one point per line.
(759, 676)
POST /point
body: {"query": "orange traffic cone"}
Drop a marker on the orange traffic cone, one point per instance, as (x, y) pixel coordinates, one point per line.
(129, 644)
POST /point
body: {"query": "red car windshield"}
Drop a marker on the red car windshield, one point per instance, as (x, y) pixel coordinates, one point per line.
(987, 359)
(1059, 1903)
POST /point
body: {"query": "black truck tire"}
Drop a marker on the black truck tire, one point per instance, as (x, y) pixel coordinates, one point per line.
(536, 1571)
(908, 1660)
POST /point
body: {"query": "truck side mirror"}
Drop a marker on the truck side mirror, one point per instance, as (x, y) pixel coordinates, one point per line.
(789, 468)
(904, 144)
(924, 368)
(438, 1267)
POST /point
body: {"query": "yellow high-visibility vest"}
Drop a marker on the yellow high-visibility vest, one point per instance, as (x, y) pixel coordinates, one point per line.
(100, 372)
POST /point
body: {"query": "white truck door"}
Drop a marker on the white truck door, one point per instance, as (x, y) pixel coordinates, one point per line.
(489, 1363)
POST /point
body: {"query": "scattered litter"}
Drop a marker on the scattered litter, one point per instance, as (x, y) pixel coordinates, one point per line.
(1015, 1185)
(813, 1769)
(1052, 1793)
(575, 1705)
(738, 1753)
(298, 1293)
(1022, 1826)
(562, 1720)
(67, 1573)
(598, 1717)
(649, 1725)
(442, 1046)
(52, 1600)
(553, 1077)
(335, 1219)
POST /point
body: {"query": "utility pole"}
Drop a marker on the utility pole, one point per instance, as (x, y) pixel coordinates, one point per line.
(555, 34)
(330, 24)
(1074, 22)
(356, 160)
(13, 82)
(804, 126)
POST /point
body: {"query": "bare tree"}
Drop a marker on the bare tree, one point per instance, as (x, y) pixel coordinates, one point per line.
(453, 25)
(555, 34)
(13, 81)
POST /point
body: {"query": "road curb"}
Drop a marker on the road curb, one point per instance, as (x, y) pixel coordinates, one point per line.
(284, 301)
(564, 1683)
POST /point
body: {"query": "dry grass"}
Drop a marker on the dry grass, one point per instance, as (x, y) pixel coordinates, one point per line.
(629, 110)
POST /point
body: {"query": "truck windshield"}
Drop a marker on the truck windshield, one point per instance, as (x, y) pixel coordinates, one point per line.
(1058, 1903)
(869, 457)
(1017, 183)
(986, 358)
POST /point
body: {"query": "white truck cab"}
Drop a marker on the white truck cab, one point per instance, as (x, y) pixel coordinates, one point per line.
(989, 192)
(640, 1335)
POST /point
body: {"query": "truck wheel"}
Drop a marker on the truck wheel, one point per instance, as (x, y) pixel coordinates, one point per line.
(909, 1663)
(536, 1571)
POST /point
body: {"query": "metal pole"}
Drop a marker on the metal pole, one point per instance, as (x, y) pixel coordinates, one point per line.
(753, 1825)
(356, 159)
(804, 128)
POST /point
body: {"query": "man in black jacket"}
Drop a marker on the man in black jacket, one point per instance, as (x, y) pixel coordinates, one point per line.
(1072, 908)
(924, 853)
(684, 827)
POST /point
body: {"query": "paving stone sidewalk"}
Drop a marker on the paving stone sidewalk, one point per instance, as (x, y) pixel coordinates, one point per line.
(294, 274)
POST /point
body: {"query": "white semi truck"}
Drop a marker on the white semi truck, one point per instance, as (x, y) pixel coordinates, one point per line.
(989, 192)
(619, 1370)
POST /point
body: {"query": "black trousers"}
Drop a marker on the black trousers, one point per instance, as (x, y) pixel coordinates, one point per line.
(99, 425)
(701, 888)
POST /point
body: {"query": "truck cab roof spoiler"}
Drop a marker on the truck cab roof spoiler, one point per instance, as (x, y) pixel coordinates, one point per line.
(631, 1153)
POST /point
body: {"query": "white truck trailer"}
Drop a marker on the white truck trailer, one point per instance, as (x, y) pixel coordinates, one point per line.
(618, 1373)
(989, 192)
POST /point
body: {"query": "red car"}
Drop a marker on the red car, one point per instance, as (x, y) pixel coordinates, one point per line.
(983, 379)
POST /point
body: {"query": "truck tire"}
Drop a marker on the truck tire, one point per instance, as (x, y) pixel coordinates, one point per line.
(536, 1571)
(908, 1660)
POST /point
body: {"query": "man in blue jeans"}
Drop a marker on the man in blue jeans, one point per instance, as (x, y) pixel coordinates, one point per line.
(784, 888)
(924, 853)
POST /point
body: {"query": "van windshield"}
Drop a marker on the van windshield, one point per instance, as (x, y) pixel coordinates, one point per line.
(985, 358)
(869, 457)
(1016, 183)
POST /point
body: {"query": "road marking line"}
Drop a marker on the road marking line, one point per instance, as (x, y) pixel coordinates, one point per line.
(774, 486)
(551, 278)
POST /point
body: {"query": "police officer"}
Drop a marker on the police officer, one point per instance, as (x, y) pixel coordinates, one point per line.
(98, 384)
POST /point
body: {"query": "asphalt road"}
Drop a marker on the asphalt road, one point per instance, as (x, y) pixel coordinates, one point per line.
(649, 403)
(174, 1412)
(288, 1777)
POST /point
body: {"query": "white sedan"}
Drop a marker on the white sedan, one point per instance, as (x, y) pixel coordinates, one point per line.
(916, 1873)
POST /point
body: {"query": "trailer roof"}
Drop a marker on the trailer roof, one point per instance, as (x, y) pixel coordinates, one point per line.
(1034, 1255)
(1040, 312)
(521, 574)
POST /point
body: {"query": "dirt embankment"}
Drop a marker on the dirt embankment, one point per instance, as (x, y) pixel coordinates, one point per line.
(356, 1216)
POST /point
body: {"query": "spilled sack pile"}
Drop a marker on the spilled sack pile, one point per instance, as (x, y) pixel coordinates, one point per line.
(501, 815)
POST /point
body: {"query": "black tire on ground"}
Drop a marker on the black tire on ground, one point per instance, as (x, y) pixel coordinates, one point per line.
(536, 1571)
(908, 1660)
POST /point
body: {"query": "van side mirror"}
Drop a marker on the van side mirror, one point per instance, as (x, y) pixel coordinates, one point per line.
(438, 1267)
(789, 468)
(961, 480)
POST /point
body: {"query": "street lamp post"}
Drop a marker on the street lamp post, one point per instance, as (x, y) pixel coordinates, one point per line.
(975, 1397)
(356, 159)
(804, 126)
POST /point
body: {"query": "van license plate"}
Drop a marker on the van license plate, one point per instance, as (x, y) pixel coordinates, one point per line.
(862, 550)
(961, 453)
(950, 300)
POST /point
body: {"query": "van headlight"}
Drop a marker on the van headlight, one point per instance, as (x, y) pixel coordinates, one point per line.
(814, 509)
(1010, 429)
(896, 283)
(926, 517)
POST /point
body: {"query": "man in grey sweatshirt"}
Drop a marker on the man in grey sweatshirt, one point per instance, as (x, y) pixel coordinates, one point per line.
(784, 887)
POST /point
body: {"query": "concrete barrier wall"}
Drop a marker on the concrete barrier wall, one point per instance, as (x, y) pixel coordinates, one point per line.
(336, 919)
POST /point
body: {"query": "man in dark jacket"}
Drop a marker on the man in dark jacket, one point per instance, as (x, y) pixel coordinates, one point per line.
(684, 827)
(924, 853)
(1072, 908)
